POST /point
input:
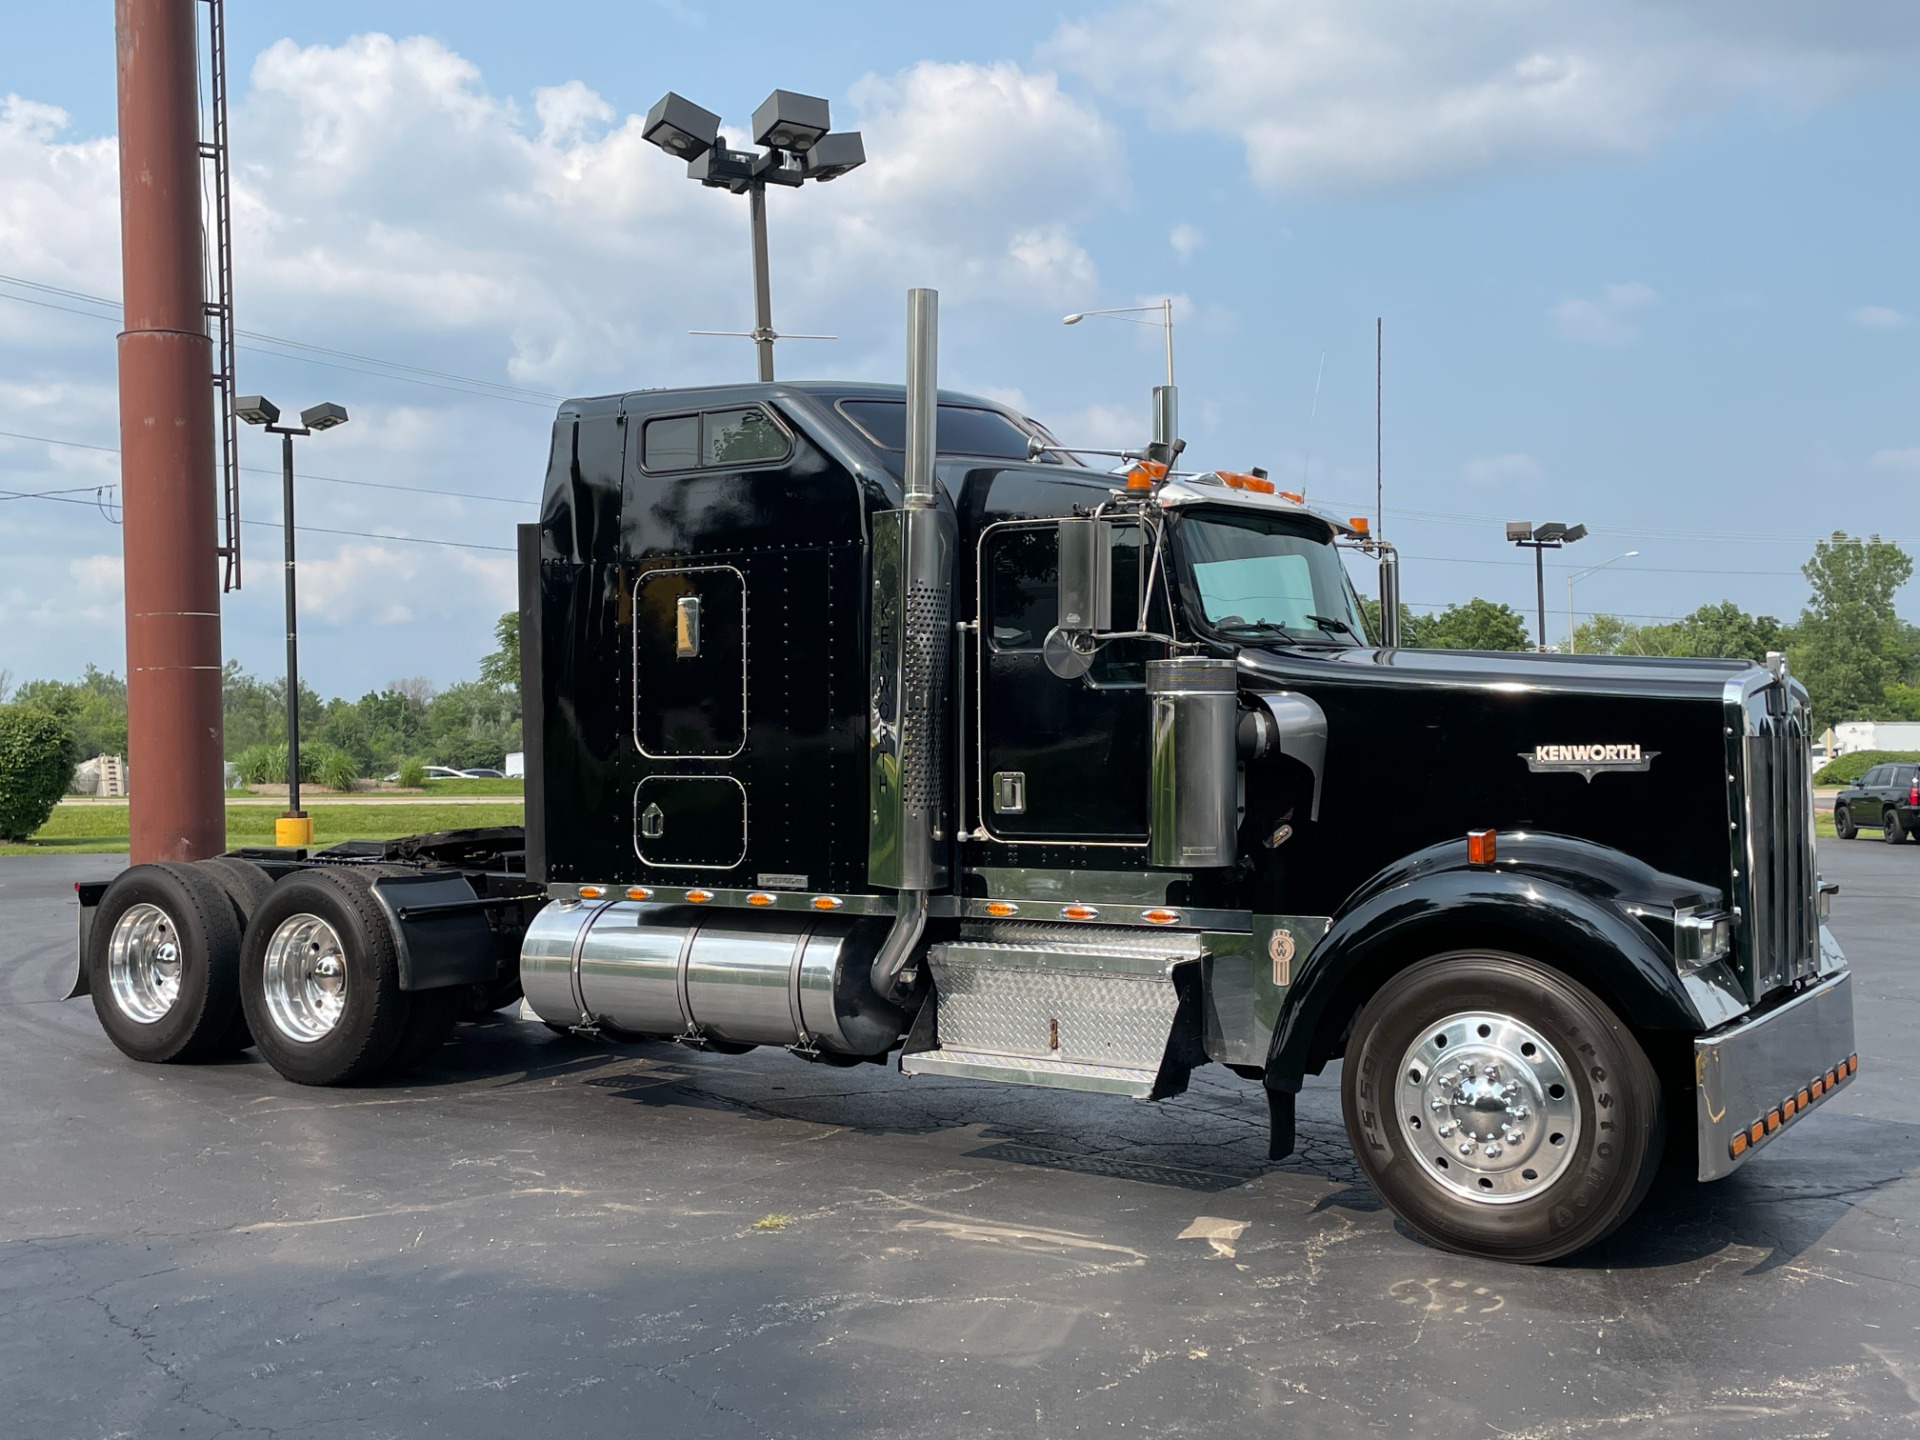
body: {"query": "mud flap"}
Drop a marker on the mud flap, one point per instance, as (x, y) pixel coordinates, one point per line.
(89, 892)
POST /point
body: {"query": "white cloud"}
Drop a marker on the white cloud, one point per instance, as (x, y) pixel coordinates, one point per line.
(1897, 459)
(1604, 319)
(1877, 317)
(388, 202)
(1494, 470)
(1105, 427)
(1186, 240)
(1349, 94)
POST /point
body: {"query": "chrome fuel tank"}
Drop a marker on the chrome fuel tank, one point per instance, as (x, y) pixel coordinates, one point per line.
(730, 976)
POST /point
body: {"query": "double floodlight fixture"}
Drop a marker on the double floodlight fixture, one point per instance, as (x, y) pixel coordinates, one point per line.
(258, 410)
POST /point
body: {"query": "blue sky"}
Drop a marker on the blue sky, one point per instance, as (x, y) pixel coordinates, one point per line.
(1643, 266)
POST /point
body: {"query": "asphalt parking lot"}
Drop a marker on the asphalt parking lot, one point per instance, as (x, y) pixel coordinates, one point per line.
(536, 1236)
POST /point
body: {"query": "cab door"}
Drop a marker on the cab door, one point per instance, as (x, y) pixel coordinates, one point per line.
(1059, 760)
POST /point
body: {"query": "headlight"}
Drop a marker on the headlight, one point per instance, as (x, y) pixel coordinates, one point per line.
(1700, 938)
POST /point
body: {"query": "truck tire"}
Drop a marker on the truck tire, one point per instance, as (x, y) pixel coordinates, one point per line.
(246, 885)
(1500, 1108)
(320, 978)
(163, 963)
(1893, 829)
(1843, 825)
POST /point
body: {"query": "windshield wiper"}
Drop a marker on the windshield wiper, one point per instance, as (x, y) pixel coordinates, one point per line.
(1328, 622)
(1254, 627)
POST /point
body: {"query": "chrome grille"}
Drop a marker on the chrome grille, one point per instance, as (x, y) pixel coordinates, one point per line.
(1780, 930)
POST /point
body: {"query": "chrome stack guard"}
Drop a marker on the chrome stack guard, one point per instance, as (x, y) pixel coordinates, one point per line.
(1756, 1077)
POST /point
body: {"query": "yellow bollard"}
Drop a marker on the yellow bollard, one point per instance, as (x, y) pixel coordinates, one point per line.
(293, 830)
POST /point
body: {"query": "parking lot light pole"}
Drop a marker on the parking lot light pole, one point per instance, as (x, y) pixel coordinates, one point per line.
(1581, 575)
(801, 145)
(1551, 536)
(295, 827)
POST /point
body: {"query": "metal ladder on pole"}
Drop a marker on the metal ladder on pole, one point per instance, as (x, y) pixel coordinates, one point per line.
(214, 156)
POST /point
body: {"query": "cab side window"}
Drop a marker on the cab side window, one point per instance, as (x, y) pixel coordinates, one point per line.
(714, 440)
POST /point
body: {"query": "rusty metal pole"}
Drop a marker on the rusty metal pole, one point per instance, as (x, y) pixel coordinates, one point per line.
(170, 534)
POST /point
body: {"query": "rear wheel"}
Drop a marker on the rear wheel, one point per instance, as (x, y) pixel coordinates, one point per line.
(163, 962)
(1500, 1108)
(1843, 825)
(320, 979)
(245, 885)
(1893, 829)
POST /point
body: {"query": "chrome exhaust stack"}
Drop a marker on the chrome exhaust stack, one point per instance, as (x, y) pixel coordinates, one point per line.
(912, 625)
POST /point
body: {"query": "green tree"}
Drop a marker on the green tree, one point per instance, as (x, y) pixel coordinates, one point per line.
(1409, 622)
(1600, 635)
(1849, 645)
(93, 708)
(255, 710)
(37, 756)
(1728, 632)
(500, 668)
(1476, 625)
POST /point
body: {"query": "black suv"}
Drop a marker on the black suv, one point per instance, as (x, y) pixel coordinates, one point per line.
(1886, 797)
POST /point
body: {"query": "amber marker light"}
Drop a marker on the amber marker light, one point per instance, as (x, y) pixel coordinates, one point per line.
(699, 897)
(1739, 1145)
(1080, 912)
(759, 897)
(639, 892)
(1359, 523)
(1000, 909)
(1161, 917)
(827, 902)
(591, 892)
(1482, 846)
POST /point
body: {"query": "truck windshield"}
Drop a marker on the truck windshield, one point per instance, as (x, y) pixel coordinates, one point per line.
(1266, 575)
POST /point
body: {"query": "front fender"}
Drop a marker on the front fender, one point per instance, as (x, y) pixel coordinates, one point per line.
(1426, 909)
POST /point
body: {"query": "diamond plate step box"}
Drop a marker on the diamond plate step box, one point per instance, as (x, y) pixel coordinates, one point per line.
(1060, 1006)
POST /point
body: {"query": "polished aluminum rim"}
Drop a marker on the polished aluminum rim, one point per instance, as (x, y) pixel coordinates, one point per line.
(306, 978)
(143, 963)
(1488, 1106)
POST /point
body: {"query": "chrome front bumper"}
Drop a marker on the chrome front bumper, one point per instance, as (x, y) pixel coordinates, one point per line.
(1757, 1077)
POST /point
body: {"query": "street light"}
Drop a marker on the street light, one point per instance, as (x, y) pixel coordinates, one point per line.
(1550, 536)
(1581, 575)
(795, 131)
(1166, 404)
(294, 827)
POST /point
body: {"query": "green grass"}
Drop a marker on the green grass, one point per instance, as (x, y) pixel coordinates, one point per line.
(102, 829)
(476, 787)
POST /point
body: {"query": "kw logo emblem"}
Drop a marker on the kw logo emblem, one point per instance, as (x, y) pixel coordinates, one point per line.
(1587, 760)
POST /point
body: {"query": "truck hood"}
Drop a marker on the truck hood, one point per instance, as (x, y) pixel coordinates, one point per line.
(1512, 671)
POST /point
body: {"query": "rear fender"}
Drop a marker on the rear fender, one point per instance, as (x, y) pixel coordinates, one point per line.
(440, 930)
(1583, 932)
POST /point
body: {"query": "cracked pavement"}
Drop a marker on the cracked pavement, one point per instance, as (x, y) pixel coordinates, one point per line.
(532, 1233)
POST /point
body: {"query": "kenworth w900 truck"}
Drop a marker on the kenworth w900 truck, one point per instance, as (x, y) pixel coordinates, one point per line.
(868, 722)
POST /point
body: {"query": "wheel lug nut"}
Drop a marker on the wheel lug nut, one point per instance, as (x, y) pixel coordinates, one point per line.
(1514, 1137)
(1466, 1147)
(1492, 1152)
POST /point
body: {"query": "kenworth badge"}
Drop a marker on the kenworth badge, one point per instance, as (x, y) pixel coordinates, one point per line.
(1587, 760)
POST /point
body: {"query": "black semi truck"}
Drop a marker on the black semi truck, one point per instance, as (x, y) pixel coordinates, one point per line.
(869, 722)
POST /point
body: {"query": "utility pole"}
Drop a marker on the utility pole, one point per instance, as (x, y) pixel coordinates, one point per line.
(171, 525)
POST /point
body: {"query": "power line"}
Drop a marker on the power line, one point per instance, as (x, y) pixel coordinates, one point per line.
(465, 384)
(275, 525)
(298, 474)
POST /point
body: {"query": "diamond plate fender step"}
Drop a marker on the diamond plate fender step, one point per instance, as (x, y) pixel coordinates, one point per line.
(1114, 1014)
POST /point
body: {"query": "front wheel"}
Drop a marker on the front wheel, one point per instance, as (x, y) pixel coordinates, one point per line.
(1500, 1108)
(1843, 825)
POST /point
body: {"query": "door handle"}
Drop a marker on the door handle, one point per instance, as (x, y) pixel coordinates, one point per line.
(653, 822)
(686, 627)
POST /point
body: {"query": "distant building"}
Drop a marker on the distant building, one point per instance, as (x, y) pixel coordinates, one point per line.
(104, 775)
